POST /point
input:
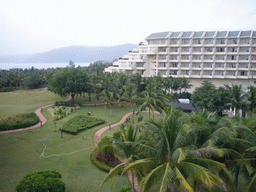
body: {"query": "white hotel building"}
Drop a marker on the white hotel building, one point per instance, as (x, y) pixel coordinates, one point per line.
(223, 57)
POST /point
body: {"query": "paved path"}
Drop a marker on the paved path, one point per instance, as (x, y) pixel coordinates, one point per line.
(41, 117)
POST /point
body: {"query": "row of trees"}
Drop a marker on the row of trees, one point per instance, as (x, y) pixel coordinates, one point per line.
(200, 151)
(207, 96)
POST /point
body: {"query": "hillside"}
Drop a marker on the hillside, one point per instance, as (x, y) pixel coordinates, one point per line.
(79, 54)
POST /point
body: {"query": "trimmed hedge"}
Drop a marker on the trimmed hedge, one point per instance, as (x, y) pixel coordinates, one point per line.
(97, 163)
(19, 121)
(80, 123)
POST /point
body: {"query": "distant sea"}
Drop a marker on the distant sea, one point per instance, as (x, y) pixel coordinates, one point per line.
(38, 65)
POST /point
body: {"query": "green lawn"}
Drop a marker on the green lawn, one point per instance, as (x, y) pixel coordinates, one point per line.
(21, 152)
(14, 104)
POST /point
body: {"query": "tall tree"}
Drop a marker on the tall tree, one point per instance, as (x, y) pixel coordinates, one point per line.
(122, 143)
(170, 159)
(238, 97)
(70, 81)
(130, 96)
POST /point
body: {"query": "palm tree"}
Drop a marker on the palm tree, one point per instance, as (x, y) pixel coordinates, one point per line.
(252, 98)
(122, 143)
(240, 141)
(238, 97)
(151, 98)
(170, 160)
(130, 95)
(107, 85)
(94, 81)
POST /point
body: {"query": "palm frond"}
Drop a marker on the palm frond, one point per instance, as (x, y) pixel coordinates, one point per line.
(116, 170)
(182, 182)
(179, 155)
(250, 185)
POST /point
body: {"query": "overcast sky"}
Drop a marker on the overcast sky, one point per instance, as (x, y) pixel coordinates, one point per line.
(28, 26)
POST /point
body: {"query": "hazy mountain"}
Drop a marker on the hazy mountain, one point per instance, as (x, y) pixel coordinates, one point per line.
(79, 54)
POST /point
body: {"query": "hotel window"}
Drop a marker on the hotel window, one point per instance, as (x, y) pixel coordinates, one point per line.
(232, 41)
(208, 57)
(197, 49)
(155, 42)
(185, 57)
(197, 41)
(162, 49)
(253, 65)
(207, 65)
(196, 72)
(231, 73)
(232, 49)
(253, 73)
(243, 65)
(231, 57)
(174, 49)
(197, 57)
(164, 64)
(207, 73)
(144, 49)
(153, 49)
(196, 65)
(220, 57)
(209, 41)
(243, 73)
(231, 65)
(220, 49)
(162, 72)
(185, 49)
(245, 41)
(174, 72)
(253, 57)
(174, 41)
(219, 73)
(175, 65)
(253, 50)
(221, 41)
(162, 41)
(219, 65)
(185, 65)
(162, 57)
(208, 49)
(244, 57)
(185, 72)
(173, 57)
(185, 41)
(244, 49)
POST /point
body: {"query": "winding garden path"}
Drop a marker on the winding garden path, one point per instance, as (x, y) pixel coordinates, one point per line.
(39, 114)
(97, 135)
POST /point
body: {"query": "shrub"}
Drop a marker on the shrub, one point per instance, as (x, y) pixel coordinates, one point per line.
(97, 163)
(19, 121)
(104, 145)
(80, 123)
(6, 89)
(45, 180)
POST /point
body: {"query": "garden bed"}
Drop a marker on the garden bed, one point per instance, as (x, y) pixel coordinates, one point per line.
(61, 111)
(80, 123)
(19, 121)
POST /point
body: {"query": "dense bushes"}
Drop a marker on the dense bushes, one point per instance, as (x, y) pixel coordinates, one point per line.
(6, 89)
(80, 122)
(19, 121)
(45, 180)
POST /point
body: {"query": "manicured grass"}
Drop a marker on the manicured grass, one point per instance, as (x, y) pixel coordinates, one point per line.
(25, 102)
(21, 152)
